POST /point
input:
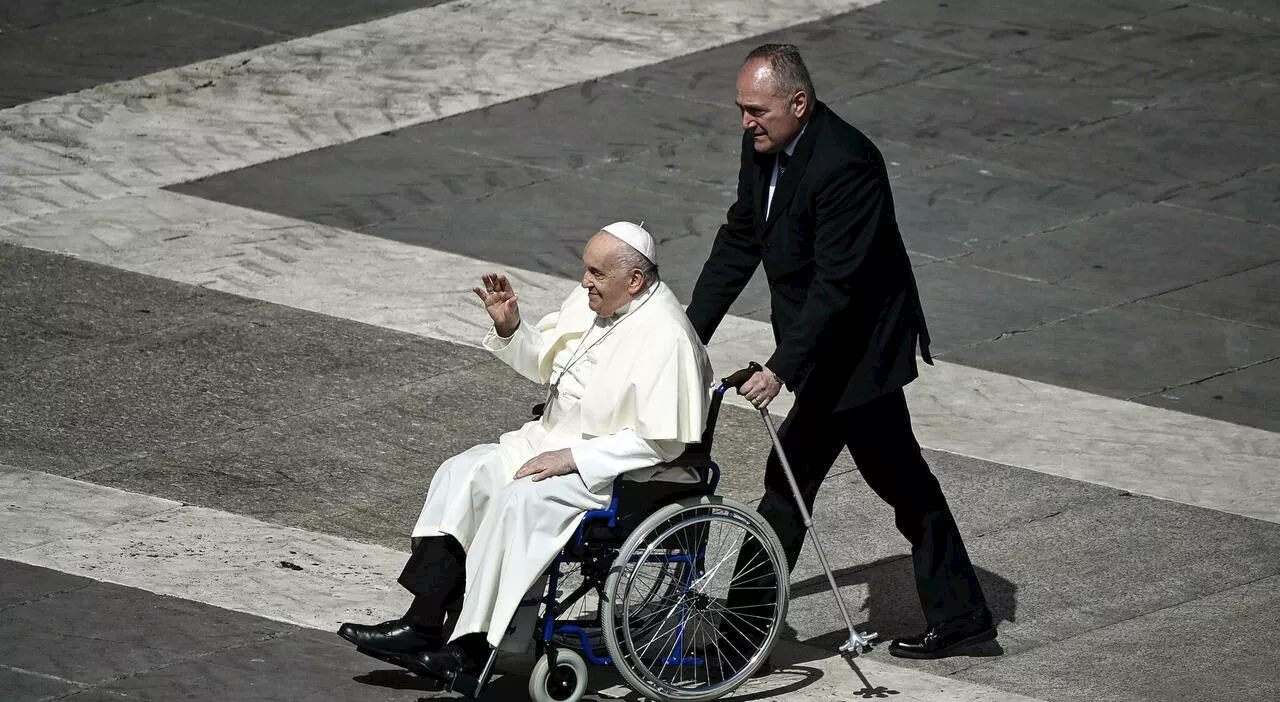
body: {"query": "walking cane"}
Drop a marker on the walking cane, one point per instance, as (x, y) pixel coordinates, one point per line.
(857, 642)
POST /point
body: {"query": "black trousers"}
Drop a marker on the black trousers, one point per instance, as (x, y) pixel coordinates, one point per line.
(879, 437)
(436, 574)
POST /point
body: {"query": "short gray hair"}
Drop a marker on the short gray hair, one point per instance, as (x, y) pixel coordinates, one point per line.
(630, 259)
(789, 71)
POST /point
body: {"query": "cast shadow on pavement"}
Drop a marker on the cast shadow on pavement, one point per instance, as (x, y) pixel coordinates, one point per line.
(501, 687)
(892, 607)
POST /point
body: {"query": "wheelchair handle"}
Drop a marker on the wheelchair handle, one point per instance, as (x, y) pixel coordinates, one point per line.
(736, 380)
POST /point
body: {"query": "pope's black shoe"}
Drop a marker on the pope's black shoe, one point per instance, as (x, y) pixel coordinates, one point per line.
(945, 639)
(393, 637)
(461, 657)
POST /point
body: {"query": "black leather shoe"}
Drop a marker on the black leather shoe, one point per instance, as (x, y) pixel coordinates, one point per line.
(392, 637)
(945, 639)
(445, 664)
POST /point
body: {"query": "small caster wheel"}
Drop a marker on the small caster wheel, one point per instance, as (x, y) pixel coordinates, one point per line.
(567, 683)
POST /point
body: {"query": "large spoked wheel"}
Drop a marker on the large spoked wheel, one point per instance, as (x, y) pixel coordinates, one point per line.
(567, 683)
(695, 600)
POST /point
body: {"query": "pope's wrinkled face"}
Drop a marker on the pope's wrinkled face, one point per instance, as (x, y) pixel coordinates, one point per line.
(609, 283)
(773, 117)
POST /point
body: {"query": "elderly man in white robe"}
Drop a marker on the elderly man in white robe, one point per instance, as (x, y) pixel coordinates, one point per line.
(629, 389)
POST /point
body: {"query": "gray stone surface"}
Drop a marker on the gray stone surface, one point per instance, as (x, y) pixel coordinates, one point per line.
(1251, 197)
(372, 181)
(103, 632)
(842, 64)
(1167, 53)
(106, 642)
(303, 665)
(25, 583)
(196, 379)
(1136, 252)
(1207, 640)
(127, 41)
(55, 306)
(565, 129)
(359, 469)
(545, 225)
(1245, 396)
(1125, 351)
(297, 17)
(24, 14)
(21, 83)
(967, 305)
(971, 205)
(25, 686)
(1252, 296)
(1105, 563)
(991, 28)
(50, 48)
(1205, 137)
(872, 560)
(976, 108)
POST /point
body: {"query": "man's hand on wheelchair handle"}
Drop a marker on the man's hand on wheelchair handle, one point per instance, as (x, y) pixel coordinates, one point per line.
(500, 302)
(548, 465)
(761, 388)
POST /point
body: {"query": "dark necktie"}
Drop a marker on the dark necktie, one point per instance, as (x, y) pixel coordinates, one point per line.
(783, 158)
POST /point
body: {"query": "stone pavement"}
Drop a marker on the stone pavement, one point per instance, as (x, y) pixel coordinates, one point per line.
(1087, 192)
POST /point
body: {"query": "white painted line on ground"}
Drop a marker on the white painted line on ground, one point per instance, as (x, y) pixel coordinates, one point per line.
(234, 562)
(308, 93)
(985, 415)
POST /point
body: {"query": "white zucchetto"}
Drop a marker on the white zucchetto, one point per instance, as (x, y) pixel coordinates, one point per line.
(636, 237)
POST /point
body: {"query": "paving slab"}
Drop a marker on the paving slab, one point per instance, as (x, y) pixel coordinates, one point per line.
(1250, 197)
(129, 40)
(970, 205)
(24, 584)
(977, 108)
(1134, 349)
(202, 379)
(1206, 137)
(991, 28)
(55, 306)
(1106, 563)
(75, 514)
(966, 305)
(1137, 252)
(1245, 396)
(53, 48)
(365, 182)
(105, 631)
(871, 558)
(545, 225)
(19, 685)
(23, 14)
(1207, 640)
(304, 665)
(1189, 47)
(1251, 296)
(841, 63)
(369, 460)
(298, 17)
(21, 83)
(565, 129)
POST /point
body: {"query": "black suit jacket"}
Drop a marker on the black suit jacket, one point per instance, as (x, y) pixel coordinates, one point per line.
(845, 310)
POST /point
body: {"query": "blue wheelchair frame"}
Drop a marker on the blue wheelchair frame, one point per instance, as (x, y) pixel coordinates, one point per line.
(595, 556)
(582, 551)
(709, 478)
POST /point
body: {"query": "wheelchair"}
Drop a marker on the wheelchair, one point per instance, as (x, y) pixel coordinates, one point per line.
(649, 577)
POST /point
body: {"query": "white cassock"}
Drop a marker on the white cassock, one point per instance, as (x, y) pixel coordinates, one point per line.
(628, 393)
